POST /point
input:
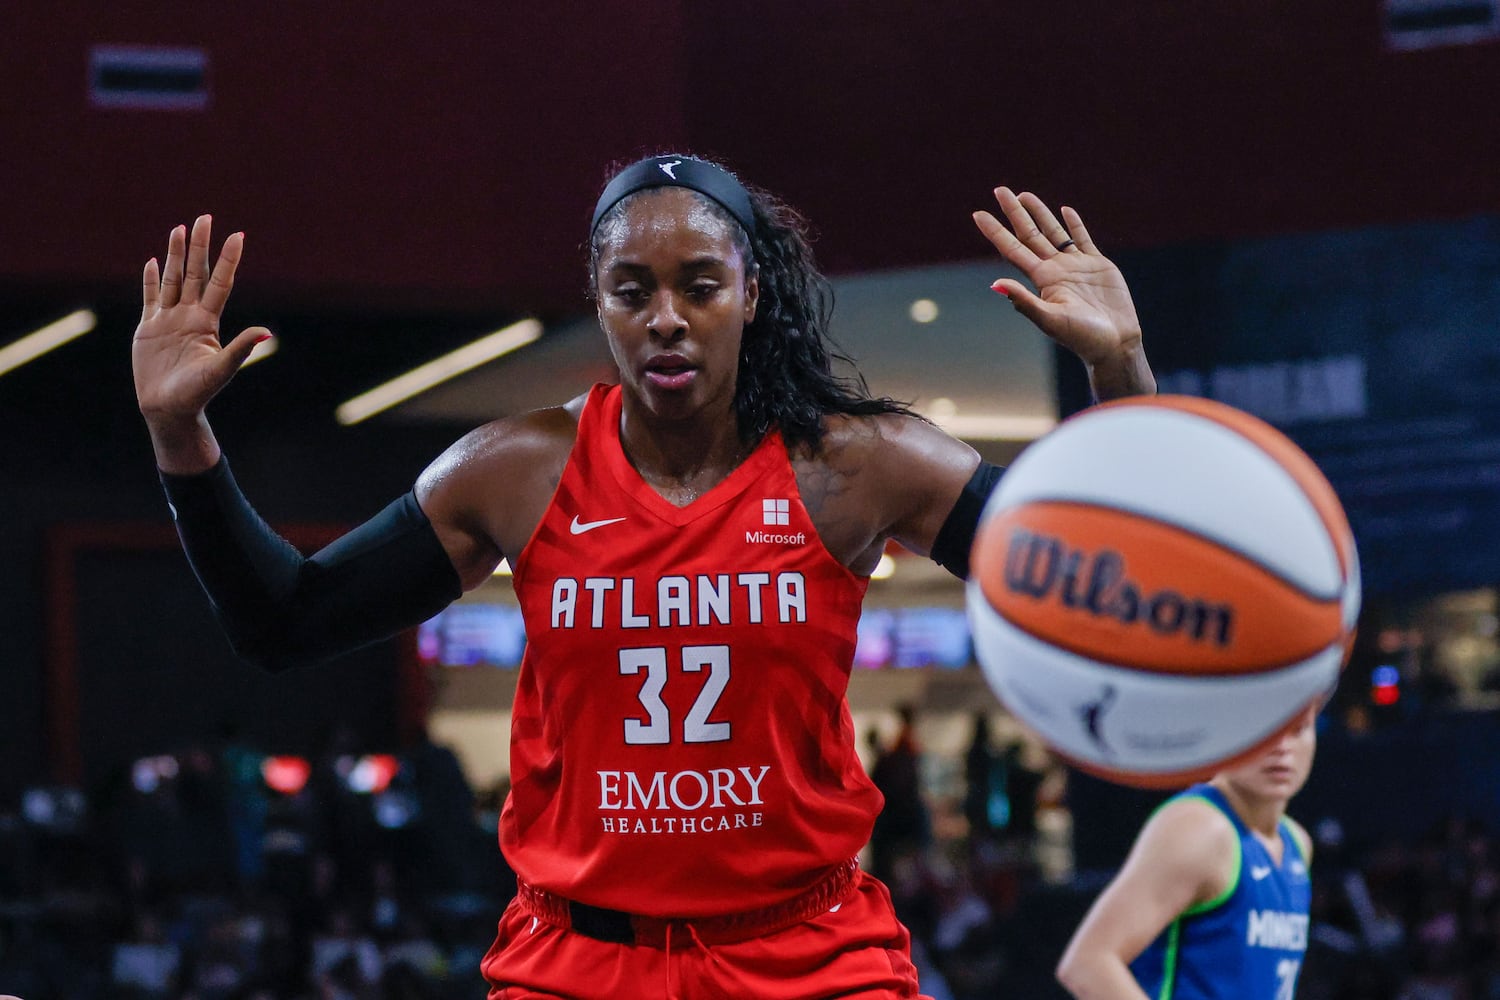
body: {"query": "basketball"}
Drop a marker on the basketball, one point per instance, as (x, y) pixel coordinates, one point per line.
(1159, 586)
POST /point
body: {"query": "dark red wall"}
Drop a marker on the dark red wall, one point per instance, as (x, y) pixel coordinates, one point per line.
(399, 151)
(450, 153)
(1162, 121)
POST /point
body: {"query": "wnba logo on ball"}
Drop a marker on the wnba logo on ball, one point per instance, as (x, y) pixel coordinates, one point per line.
(1044, 568)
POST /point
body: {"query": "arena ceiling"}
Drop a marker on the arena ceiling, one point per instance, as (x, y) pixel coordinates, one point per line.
(405, 188)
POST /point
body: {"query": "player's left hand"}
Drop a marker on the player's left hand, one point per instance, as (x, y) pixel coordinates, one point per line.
(1081, 299)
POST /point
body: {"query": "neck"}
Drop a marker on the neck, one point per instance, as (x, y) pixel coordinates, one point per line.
(1262, 815)
(685, 457)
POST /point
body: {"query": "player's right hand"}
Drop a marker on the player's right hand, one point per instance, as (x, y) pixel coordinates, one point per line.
(177, 358)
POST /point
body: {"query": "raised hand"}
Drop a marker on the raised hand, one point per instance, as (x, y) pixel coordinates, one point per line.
(1082, 301)
(178, 361)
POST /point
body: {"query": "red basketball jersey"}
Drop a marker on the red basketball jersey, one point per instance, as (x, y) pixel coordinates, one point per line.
(681, 745)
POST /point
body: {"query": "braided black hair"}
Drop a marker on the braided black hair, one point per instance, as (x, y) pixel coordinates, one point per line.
(786, 374)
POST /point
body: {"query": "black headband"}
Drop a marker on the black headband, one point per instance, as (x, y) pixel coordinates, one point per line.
(679, 171)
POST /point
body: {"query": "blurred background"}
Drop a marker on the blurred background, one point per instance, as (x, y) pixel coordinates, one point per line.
(1303, 195)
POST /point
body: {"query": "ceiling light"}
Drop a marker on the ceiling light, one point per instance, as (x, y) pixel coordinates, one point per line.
(424, 377)
(39, 342)
(924, 311)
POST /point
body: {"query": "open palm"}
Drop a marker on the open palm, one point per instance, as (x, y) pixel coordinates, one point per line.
(178, 361)
(1081, 299)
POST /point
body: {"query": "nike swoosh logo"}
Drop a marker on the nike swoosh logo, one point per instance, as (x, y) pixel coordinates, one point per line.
(1259, 873)
(579, 527)
(835, 907)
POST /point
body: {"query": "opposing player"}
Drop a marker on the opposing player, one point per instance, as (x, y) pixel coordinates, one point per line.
(690, 549)
(1212, 903)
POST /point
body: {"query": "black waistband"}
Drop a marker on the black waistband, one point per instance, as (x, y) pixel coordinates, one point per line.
(601, 924)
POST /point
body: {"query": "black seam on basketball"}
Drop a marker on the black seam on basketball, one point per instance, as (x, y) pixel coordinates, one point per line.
(1143, 667)
(1345, 559)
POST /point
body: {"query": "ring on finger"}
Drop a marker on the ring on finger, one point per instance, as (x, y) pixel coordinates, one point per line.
(1065, 244)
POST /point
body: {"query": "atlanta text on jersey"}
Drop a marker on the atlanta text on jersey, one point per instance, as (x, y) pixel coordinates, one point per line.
(721, 599)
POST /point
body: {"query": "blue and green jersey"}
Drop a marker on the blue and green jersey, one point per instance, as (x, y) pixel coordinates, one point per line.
(1248, 943)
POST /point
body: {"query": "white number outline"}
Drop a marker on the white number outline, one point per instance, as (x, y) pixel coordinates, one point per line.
(696, 728)
(1286, 978)
(656, 728)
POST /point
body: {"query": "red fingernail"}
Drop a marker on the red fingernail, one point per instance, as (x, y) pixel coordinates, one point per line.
(1001, 289)
(263, 338)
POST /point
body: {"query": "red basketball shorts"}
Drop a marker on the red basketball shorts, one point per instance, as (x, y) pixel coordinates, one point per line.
(857, 949)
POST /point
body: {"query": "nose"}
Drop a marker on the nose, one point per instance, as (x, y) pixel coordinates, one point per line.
(1286, 745)
(665, 321)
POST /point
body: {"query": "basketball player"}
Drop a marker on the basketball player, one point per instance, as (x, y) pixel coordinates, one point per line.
(1212, 903)
(690, 550)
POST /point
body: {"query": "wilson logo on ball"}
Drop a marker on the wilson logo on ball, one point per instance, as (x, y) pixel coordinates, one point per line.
(1046, 568)
(1110, 584)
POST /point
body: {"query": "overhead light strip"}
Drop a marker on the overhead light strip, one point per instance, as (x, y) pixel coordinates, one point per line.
(424, 377)
(261, 352)
(53, 335)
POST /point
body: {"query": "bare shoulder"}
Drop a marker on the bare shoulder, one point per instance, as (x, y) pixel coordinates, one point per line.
(507, 445)
(1191, 817)
(886, 437)
(1183, 857)
(881, 476)
(1192, 840)
(490, 488)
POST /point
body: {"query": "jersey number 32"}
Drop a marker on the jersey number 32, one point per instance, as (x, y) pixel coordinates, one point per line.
(656, 727)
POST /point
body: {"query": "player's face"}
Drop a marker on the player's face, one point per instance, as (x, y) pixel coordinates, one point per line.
(674, 299)
(1282, 770)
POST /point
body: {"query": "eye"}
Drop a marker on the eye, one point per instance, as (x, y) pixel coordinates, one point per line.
(631, 294)
(703, 289)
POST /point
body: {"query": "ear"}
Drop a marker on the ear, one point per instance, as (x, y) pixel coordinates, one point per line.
(752, 294)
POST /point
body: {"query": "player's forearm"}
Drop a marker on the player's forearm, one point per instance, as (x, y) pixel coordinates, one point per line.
(281, 609)
(184, 446)
(1098, 977)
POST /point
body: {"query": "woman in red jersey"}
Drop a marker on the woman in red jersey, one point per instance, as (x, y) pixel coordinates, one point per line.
(690, 546)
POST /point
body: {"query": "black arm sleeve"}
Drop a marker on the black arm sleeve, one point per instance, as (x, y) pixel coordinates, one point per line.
(280, 608)
(955, 538)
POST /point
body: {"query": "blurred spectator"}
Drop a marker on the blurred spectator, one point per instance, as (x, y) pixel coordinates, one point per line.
(345, 957)
(986, 805)
(247, 804)
(1023, 788)
(903, 826)
(146, 965)
(454, 852)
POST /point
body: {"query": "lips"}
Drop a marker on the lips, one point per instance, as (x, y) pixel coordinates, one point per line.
(670, 371)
